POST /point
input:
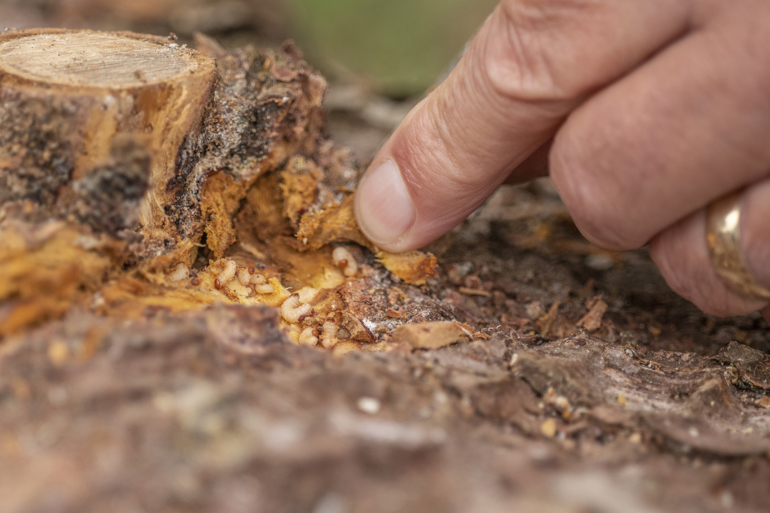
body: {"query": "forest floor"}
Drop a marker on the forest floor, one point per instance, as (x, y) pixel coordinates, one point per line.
(589, 387)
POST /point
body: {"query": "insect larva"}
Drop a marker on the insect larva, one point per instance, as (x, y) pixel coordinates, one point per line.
(345, 261)
(180, 272)
(244, 276)
(261, 286)
(292, 309)
(308, 337)
(227, 275)
(265, 290)
(329, 336)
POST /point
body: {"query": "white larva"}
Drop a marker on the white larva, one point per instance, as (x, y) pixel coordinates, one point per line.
(244, 276)
(227, 275)
(180, 272)
(308, 337)
(329, 337)
(345, 261)
(307, 294)
(292, 310)
(265, 290)
(261, 286)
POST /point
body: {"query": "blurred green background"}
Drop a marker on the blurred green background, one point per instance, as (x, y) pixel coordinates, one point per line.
(393, 47)
(400, 46)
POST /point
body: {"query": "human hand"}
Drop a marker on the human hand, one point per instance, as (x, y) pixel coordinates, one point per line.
(647, 111)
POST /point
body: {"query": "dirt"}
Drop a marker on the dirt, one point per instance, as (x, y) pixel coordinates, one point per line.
(587, 385)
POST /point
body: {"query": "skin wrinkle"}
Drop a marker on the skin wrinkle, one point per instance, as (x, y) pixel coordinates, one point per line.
(518, 76)
(566, 70)
(416, 151)
(525, 21)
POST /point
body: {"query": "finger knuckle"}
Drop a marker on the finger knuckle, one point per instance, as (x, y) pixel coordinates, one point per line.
(591, 200)
(526, 58)
(433, 155)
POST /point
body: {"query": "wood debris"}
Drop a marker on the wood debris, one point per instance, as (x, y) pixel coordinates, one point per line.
(431, 335)
(414, 267)
(592, 321)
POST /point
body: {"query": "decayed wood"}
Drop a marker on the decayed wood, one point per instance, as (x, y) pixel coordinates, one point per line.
(115, 114)
(179, 171)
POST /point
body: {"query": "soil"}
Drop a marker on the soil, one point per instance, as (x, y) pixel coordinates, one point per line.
(588, 386)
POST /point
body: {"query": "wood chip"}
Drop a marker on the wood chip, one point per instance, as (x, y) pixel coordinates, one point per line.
(546, 322)
(473, 292)
(431, 335)
(548, 428)
(414, 267)
(358, 331)
(393, 314)
(592, 321)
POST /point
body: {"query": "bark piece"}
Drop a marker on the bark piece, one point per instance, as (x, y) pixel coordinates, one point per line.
(753, 366)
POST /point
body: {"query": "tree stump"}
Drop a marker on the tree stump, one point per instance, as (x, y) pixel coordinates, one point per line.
(124, 155)
(90, 120)
(124, 132)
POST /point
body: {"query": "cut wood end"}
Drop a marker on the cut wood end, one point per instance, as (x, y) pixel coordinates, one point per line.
(95, 59)
(431, 335)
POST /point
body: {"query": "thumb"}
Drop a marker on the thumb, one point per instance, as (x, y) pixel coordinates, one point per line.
(531, 64)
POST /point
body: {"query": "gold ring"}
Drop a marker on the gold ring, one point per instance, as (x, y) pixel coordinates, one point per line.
(723, 226)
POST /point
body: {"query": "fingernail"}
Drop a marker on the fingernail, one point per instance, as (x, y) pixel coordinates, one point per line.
(383, 206)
